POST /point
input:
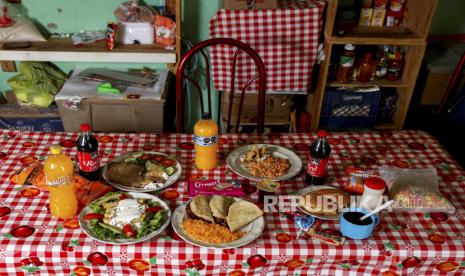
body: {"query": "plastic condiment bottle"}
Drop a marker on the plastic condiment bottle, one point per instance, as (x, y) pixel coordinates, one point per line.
(366, 68)
(373, 192)
(346, 62)
(59, 173)
(206, 143)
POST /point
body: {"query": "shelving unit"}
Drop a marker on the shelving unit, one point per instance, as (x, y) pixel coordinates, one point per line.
(412, 38)
(64, 50)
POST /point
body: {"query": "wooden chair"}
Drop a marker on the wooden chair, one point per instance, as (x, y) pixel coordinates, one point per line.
(260, 75)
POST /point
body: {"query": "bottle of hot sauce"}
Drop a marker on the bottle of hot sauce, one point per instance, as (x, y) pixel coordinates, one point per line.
(206, 143)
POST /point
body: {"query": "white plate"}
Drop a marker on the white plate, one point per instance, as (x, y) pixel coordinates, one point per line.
(253, 230)
(239, 167)
(149, 188)
(320, 216)
(85, 227)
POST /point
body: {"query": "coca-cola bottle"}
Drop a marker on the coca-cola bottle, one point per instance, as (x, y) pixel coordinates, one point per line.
(88, 158)
(319, 154)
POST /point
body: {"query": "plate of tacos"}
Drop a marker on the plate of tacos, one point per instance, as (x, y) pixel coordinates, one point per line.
(218, 221)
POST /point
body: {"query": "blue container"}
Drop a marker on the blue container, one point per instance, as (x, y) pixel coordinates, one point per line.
(349, 109)
(48, 124)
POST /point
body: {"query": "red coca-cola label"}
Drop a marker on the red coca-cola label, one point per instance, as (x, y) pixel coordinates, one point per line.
(88, 161)
(317, 167)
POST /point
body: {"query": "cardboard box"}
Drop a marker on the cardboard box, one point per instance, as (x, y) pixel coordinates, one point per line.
(277, 108)
(244, 4)
(28, 118)
(113, 113)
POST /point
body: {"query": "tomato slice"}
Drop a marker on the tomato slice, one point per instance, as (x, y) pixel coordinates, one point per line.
(158, 158)
(153, 209)
(123, 196)
(145, 156)
(165, 162)
(127, 231)
(93, 216)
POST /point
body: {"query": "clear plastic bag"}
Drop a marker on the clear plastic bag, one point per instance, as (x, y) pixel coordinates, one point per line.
(415, 190)
(131, 11)
(15, 27)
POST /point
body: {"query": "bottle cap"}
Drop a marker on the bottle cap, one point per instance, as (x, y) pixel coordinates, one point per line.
(322, 133)
(375, 183)
(349, 47)
(85, 127)
(206, 116)
(55, 149)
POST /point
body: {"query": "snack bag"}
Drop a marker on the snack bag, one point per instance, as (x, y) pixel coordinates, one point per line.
(29, 175)
(86, 191)
(355, 179)
(415, 190)
(165, 32)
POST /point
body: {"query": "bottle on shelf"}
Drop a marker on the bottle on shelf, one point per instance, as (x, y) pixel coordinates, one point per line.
(366, 68)
(88, 157)
(346, 63)
(59, 172)
(206, 143)
(319, 155)
(394, 71)
(382, 64)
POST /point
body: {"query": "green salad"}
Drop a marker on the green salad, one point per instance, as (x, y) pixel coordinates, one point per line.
(117, 215)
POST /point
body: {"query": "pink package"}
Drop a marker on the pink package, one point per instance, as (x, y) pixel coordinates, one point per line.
(213, 187)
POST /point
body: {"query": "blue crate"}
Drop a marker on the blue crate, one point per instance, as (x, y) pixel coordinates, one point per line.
(349, 109)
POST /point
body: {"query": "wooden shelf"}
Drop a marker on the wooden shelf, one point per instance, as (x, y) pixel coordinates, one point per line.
(381, 83)
(63, 50)
(412, 38)
(376, 36)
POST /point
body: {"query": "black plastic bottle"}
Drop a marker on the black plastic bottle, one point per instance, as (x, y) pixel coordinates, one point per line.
(88, 158)
(319, 155)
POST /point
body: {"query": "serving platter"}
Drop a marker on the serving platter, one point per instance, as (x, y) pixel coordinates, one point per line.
(87, 210)
(237, 165)
(152, 187)
(253, 230)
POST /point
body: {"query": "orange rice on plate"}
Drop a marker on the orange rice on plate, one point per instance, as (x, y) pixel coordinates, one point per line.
(211, 233)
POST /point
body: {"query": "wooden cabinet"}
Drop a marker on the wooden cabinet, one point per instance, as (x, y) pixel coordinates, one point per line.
(411, 37)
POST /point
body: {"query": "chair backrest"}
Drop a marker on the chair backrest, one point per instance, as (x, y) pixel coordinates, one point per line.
(260, 75)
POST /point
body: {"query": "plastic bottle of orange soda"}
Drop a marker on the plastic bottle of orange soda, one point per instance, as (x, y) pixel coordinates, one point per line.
(206, 143)
(59, 173)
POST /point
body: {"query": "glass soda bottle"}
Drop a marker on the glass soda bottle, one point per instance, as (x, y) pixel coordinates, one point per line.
(88, 158)
(319, 155)
(59, 172)
(206, 143)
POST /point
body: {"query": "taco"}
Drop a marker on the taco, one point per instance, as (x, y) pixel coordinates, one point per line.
(242, 213)
(199, 208)
(219, 206)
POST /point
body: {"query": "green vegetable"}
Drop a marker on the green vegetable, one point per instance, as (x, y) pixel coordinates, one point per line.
(170, 170)
(96, 206)
(103, 233)
(112, 228)
(151, 223)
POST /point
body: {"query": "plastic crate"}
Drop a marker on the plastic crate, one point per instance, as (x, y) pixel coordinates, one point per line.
(349, 109)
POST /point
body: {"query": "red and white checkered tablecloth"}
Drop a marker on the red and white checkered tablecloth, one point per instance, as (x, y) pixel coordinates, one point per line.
(286, 39)
(399, 238)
